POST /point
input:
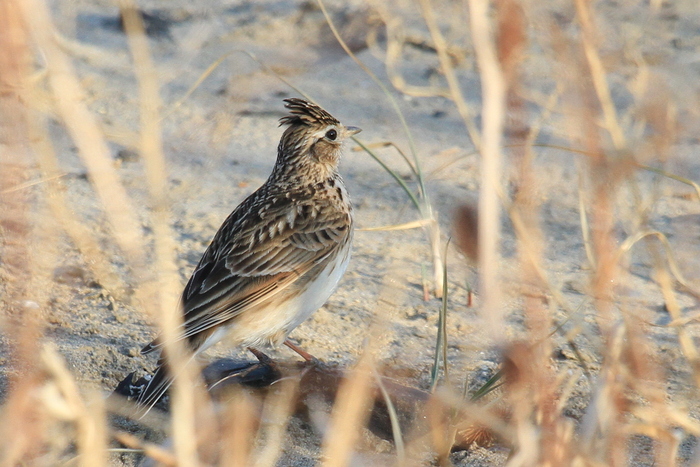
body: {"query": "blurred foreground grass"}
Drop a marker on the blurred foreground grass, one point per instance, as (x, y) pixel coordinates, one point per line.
(47, 419)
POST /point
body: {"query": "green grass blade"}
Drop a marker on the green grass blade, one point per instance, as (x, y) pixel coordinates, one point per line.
(386, 92)
(489, 386)
(396, 176)
(441, 342)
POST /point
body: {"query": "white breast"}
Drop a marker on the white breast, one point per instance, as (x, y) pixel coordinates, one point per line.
(318, 292)
(270, 324)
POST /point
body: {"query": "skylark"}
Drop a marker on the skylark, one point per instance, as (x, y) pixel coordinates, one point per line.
(280, 254)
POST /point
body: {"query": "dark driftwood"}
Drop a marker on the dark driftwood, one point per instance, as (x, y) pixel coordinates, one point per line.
(417, 411)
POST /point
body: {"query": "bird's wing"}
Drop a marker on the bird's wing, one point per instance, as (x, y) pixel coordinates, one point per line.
(255, 256)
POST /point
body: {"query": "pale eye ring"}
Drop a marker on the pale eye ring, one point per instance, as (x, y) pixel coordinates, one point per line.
(331, 135)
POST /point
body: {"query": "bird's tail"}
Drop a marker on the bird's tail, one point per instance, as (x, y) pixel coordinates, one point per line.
(156, 388)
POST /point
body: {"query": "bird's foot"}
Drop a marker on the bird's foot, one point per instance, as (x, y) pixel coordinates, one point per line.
(262, 357)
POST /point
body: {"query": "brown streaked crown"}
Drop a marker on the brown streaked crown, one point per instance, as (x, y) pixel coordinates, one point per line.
(306, 113)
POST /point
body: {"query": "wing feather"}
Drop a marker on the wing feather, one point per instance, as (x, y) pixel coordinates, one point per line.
(263, 247)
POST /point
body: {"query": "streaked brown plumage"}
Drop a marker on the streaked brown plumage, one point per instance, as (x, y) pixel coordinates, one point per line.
(280, 254)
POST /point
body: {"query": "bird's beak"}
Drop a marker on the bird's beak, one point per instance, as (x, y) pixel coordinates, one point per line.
(352, 130)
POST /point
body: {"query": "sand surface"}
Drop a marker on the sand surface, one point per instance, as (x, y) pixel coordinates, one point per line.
(221, 141)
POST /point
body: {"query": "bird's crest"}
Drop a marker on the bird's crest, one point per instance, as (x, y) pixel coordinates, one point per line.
(305, 113)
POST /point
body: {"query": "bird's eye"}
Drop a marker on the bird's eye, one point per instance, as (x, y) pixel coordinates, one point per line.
(331, 135)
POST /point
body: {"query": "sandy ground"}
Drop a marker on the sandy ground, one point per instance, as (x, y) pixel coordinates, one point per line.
(221, 144)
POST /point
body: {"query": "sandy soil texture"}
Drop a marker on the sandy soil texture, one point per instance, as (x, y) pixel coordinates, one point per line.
(220, 144)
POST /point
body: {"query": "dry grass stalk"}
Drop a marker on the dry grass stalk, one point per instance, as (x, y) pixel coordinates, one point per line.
(523, 378)
(446, 65)
(597, 73)
(15, 158)
(602, 434)
(155, 452)
(77, 230)
(239, 425)
(425, 207)
(537, 377)
(349, 415)
(276, 416)
(165, 295)
(630, 397)
(580, 103)
(85, 131)
(604, 174)
(21, 428)
(441, 433)
(90, 421)
(493, 110)
(356, 393)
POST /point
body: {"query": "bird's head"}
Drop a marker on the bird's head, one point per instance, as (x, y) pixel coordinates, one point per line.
(313, 138)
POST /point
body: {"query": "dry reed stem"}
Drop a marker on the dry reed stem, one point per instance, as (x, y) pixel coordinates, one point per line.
(15, 159)
(276, 416)
(583, 126)
(89, 421)
(449, 72)
(349, 414)
(394, 48)
(239, 423)
(610, 403)
(597, 72)
(21, 435)
(85, 132)
(426, 207)
(78, 232)
(554, 437)
(153, 451)
(355, 395)
(166, 292)
(441, 432)
(493, 110)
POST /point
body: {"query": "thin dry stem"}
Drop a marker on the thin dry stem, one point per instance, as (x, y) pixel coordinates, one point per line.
(170, 320)
(21, 436)
(239, 426)
(598, 74)
(58, 202)
(494, 92)
(90, 421)
(277, 414)
(155, 452)
(426, 207)
(85, 132)
(448, 70)
(349, 415)
(395, 42)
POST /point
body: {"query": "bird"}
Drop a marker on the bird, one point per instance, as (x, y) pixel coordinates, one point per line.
(278, 256)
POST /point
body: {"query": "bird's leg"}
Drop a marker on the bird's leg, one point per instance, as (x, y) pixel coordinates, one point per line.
(305, 355)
